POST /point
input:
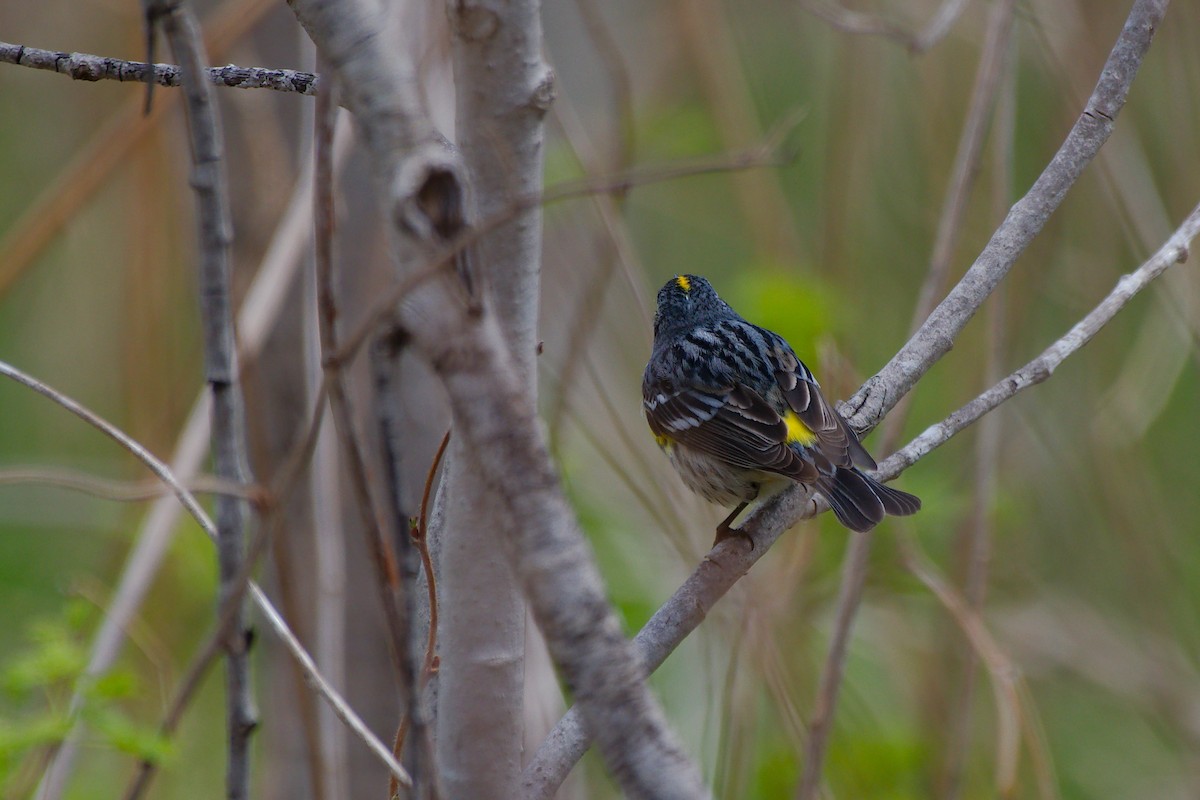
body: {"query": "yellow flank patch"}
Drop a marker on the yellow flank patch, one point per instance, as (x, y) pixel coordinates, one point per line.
(663, 441)
(797, 431)
(683, 282)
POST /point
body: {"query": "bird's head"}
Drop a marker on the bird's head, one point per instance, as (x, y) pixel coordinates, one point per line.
(686, 300)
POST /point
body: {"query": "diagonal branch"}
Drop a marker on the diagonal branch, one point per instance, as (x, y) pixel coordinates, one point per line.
(1039, 369)
(730, 560)
(275, 621)
(87, 67)
(263, 302)
(1024, 221)
(424, 193)
(854, 570)
(727, 562)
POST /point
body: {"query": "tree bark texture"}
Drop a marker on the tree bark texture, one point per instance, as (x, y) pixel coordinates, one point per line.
(503, 89)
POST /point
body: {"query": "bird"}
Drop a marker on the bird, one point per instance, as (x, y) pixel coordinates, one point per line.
(741, 417)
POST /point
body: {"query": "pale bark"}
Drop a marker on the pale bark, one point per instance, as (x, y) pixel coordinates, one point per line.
(493, 410)
(687, 608)
(1025, 220)
(502, 90)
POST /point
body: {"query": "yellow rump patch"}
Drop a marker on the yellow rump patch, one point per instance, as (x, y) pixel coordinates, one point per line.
(797, 431)
(662, 441)
(683, 282)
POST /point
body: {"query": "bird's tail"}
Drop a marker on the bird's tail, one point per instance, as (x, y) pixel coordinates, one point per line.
(860, 502)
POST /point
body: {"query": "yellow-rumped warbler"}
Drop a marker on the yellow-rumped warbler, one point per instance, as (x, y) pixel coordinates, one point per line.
(739, 414)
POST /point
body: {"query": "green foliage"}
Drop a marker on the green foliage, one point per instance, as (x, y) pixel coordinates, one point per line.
(39, 680)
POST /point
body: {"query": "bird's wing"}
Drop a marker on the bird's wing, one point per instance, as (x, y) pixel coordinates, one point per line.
(733, 424)
(826, 428)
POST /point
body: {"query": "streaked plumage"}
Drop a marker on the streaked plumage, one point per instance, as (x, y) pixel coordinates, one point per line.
(739, 414)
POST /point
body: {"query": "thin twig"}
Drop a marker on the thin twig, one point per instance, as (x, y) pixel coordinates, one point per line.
(189, 502)
(124, 491)
(419, 533)
(261, 307)
(230, 462)
(87, 171)
(1039, 369)
(769, 152)
(382, 557)
(385, 368)
(85, 67)
(966, 168)
(421, 538)
(1024, 221)
(231, 603)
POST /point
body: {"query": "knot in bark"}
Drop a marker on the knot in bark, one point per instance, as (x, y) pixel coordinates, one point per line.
(543, 95)
(475, 23)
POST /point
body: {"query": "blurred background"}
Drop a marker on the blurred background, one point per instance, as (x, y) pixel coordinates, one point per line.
(1076, 513)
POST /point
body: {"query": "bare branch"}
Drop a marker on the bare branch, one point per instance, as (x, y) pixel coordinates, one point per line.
(185, 498)
(122, 491)
(854, 578)
(424, 189)
(85, 67)
(854, 569)
(382, 556)
(86, 172)
(1039, 369)
(261, 307)
(1024, 221)
(220, 367)
(728, 561)
(966, 169)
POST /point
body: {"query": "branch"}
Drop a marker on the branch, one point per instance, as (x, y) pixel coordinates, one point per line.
(229, 611)
(85, 173)
(858, 550)
(220, 367)
(192, 506)
(86, 67)
(727, 562)
(867, 24)
(1024, 221)
(423, 189)
(730, 560)
(1039, 369)
(261, 307)
(123, 491)
(503, 88)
